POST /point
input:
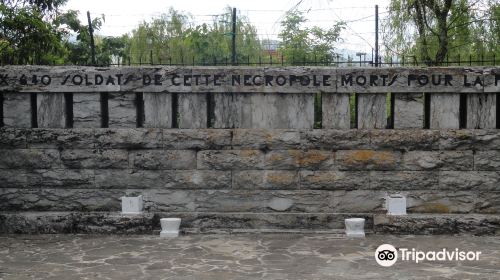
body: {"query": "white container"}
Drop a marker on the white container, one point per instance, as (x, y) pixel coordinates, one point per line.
(396, 204)
(170, 227)
(355, 227)
(132, 205)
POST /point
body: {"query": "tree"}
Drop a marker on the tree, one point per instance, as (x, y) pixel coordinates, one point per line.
(431, 30)
(299, 43)
(173, 37)
(28, 32)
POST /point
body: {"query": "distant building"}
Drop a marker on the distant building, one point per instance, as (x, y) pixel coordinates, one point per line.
(270, 47)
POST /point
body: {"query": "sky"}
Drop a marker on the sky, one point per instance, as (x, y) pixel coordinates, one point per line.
(123, 16)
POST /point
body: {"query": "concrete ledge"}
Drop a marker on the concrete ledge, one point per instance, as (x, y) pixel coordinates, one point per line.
(475, 224)
(192, 222)
(75, 222)
(237, 222)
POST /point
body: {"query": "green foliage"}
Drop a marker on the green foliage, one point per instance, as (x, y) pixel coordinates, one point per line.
(432, 30)
(25, 35)
(172, 38)
(35, 32)
(301, 43)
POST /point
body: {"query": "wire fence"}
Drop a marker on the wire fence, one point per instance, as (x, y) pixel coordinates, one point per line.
(281, 60)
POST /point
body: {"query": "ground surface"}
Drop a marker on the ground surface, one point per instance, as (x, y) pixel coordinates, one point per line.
(264, 256)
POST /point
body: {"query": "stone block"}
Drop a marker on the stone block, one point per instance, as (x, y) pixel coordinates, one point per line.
(29, 158)
(426, 224)
(162, 179)
(213, 222)
(469, 180)
(230, 159)
(357, 201)
(331, 139)
(60, 199)
(298, 159)
(487, 160)
(486, 139)
(65, 178)
(265, 179)
(333, 180)
(404, 140)
(403, 180)
(139, 138)
(487, 202)
(197, 139)
(463, 139)
(256, 201)
(163, 159)
(440, 201)
(95, 158)
(273, 139)
(12, 138)
(368, 160)
(75, 222)
(82, 138)
(13, 178)
(437, 160)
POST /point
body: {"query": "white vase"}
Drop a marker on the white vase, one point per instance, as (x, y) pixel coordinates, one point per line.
(355, 227)
(170, 227)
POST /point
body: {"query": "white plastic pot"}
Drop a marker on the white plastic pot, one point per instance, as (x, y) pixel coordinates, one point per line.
(170, 227)
(355, 227)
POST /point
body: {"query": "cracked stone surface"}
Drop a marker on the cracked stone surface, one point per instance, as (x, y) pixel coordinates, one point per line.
(246, 256)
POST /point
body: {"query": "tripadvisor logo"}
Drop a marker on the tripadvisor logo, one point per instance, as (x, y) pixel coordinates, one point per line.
(387, 255)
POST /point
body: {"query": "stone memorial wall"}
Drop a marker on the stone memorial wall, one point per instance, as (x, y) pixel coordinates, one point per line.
(249, 149)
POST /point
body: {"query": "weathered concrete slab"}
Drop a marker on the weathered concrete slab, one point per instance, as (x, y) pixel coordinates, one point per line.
(122, 109)
(263, 110)
(481, 110)
(51, 110)
(157, 110)
(87, 110)
(192, 109)
(248, 79)
(16, 110)
(336, 110)
(408, 110)
(445, 110)
(371, 111)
